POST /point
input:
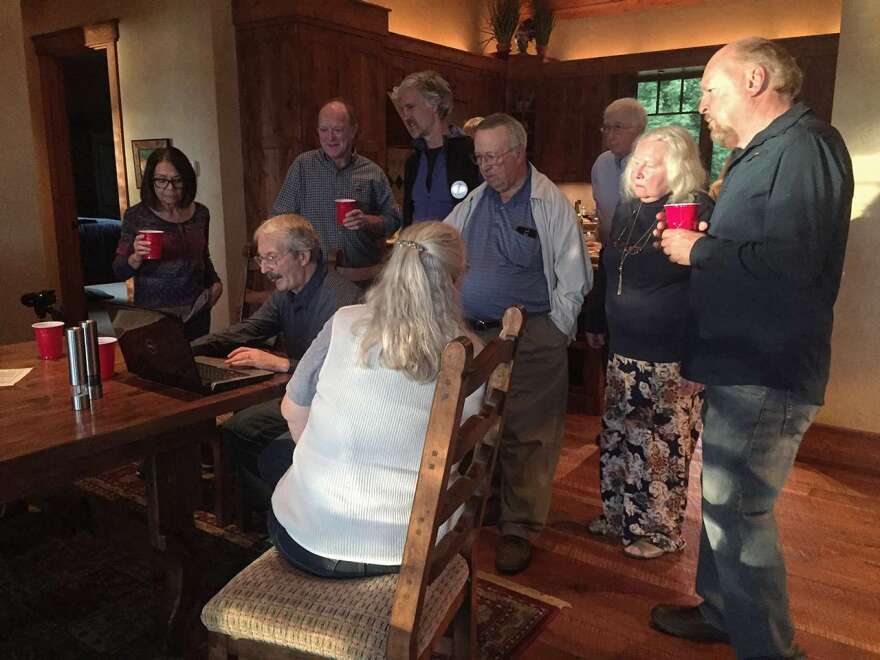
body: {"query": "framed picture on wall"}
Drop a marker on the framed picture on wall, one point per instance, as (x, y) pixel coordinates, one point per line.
(141, 150)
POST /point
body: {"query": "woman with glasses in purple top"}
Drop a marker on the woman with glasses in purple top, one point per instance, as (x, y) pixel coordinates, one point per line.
(183, 279)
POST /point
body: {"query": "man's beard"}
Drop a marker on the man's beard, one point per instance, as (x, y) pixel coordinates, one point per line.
(724, 136)
(273, 277)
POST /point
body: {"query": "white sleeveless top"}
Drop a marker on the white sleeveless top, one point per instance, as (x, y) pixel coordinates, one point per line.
(349, 492)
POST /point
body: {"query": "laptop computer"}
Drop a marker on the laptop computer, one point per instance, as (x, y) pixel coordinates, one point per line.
(155, 348)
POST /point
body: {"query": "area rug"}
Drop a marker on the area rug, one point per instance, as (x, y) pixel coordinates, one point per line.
(68, 593)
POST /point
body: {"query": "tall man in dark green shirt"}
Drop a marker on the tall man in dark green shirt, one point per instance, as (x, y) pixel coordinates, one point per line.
(763, 284)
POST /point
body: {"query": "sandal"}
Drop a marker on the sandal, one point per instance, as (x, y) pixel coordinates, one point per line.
(643, 549)
(598, 526)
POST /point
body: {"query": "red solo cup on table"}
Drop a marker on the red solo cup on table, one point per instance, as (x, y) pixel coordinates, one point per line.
(107, 356)
(682, 216)
(343, 208)
(154, 237)
(50, 339)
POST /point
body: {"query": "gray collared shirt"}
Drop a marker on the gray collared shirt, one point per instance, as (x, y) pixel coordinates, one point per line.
(605, 178)
(312, 185)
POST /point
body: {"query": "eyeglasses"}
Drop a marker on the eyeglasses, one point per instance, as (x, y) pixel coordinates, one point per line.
(163, 183)
(611, 128)
(270, 260)
(490, 159)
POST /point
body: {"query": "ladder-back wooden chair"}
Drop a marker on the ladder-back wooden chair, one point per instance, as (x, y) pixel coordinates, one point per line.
(272, 610)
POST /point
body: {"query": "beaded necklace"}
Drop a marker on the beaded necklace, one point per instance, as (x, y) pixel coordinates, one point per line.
(630, 248)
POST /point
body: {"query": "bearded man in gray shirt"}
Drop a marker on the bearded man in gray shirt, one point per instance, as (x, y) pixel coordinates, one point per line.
(306, 295)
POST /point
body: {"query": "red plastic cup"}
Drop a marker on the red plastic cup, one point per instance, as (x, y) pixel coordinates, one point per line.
(154, 237)
(50, 339)
(107, 356)
(682, 216)
(343, 208)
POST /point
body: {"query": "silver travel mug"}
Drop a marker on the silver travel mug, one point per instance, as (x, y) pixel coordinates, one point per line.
(76, 364)
(93, 364)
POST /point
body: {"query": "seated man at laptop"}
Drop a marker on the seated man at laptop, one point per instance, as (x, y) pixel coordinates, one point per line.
(306, 295)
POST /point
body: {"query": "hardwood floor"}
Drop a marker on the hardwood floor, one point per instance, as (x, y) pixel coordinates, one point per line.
(828, 518)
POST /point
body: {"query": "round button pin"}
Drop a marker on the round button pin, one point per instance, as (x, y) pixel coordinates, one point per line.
(458, 189)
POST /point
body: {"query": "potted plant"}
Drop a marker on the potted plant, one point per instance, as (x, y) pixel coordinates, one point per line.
(543, 23)
(503, 21)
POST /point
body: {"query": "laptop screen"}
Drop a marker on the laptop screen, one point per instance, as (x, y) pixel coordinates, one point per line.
(155, 348)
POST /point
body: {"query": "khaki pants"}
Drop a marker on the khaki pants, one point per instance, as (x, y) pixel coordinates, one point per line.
(532, 436)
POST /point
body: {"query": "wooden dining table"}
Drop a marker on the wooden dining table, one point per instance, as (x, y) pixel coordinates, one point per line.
(45, 444)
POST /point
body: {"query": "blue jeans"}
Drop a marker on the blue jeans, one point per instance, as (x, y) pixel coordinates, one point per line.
(751, 436)
(300, 558)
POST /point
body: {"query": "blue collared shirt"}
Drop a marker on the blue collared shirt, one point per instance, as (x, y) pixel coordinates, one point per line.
(505, 264)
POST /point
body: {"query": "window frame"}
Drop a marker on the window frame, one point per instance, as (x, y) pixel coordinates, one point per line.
(705, 144)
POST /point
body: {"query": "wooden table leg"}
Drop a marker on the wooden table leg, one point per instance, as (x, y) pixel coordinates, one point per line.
(172, 490)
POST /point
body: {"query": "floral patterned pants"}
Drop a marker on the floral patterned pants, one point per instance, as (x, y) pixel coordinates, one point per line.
(649, 429)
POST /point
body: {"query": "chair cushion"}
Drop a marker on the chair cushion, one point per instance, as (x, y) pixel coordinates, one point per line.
(272, 602)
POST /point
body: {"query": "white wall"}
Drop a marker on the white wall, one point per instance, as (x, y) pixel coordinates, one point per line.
(453, 23)
(178, 79)
(853, 398)
(22, 265)
(704, 24)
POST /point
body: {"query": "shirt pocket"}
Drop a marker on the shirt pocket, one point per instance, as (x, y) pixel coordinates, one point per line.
(520, 249)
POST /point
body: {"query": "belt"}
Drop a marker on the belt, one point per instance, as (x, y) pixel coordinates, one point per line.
(481, 324)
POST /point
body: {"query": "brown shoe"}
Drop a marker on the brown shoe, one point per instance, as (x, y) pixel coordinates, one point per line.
(687, 623)
(513, 554)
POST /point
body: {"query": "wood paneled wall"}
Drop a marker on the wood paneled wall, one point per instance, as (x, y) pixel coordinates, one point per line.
(477, 81)
(291, 60)
(575, 93)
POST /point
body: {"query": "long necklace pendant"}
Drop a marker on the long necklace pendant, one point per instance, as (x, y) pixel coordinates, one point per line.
(620, 279)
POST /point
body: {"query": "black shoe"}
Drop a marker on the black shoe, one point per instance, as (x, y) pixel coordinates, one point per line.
(687, 623)
(513, 554)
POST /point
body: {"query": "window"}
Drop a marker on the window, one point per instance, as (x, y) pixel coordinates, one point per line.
(676, 101)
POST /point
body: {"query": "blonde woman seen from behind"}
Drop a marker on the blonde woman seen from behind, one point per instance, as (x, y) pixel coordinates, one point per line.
(358, 408)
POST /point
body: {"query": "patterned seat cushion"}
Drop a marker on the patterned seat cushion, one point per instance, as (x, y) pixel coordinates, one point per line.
(272, 602)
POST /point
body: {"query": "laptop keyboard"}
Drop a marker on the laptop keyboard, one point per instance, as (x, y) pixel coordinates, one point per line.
(211, 374)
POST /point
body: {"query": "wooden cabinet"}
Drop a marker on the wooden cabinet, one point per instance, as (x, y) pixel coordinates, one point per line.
(292, 59)
(289, 64)
(477, 81)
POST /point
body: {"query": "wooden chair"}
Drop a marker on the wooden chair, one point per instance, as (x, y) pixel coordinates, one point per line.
(271, 610)
(363, 276)
(257, 290)
(256, 287)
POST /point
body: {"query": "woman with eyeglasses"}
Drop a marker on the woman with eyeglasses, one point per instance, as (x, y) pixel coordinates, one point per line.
(183, 279)
(652, 415)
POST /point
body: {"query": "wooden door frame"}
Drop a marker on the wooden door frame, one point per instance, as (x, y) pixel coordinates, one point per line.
(52, 49)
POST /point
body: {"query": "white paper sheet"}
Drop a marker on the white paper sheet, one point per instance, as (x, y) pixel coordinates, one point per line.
(9, 377)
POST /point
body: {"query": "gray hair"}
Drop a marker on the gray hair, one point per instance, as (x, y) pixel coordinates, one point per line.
(413, 309)
(631, 109)
(432, 87)
(785, 76)
(684, 170)
(297, 233)
(516, 134)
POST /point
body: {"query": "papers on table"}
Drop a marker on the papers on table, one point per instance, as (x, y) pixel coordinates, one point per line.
(9, 377)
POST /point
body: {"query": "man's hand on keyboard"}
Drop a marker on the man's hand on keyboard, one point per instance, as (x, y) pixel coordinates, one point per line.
(257, 359)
